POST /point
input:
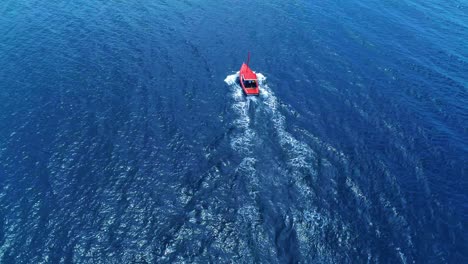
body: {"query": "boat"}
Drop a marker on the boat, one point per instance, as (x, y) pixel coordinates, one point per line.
(248, 79)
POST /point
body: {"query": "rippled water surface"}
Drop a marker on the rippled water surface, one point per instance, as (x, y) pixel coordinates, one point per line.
(125, 137)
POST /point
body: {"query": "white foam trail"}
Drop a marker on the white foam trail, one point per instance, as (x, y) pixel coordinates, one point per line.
(301, 155)
(310, 224)
(243, 141)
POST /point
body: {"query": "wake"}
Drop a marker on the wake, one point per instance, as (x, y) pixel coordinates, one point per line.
(300, 155)
(311, 224)
(243, 141)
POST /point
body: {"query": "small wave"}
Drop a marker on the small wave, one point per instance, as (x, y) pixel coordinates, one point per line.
(232, 79)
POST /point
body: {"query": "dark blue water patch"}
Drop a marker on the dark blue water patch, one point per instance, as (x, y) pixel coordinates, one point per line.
(121, 141)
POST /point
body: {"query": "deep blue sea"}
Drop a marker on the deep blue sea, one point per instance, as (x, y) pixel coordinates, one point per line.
(126, 138)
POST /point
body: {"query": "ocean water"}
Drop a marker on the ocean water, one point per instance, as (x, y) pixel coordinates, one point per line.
(125, 137)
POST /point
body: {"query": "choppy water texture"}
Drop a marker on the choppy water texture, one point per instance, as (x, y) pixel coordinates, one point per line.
(125, 138)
